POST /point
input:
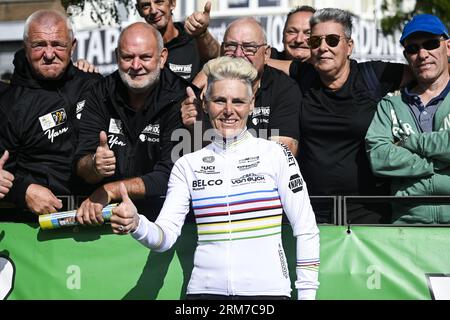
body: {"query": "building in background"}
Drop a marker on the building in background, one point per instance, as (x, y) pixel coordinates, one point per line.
(97, 43)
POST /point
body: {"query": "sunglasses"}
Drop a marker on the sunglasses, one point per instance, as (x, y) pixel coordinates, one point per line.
(332, 40)
(431, 44)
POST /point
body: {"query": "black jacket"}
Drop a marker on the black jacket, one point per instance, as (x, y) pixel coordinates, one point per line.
(3, 87)
(39, 127)
(141, 141)
(184, 57)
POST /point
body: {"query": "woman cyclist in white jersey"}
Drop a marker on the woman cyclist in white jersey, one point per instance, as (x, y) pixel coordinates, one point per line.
(239, 186)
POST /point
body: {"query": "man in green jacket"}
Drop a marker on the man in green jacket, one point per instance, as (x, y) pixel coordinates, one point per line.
(409, 137)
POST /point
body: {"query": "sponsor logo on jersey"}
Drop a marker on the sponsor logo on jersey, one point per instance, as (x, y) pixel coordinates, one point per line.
(288, 154)
(202, 184)
(183, 70)
(50, 121)
(150, 133)
(209, 159)
(248, 159)
(80, 107)
(284, 268)
(207, 170)
(53, 119)
(52, 133)
(248, 166)
(152, 128)
(248, 178)
(295, 183)
(115, 126)
(260, 115)
(113, 140)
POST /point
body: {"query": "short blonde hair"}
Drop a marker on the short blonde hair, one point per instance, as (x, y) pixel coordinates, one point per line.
(229, 68)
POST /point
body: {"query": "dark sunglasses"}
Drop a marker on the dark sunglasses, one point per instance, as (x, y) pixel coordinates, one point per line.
(332, 40)
(431, 44)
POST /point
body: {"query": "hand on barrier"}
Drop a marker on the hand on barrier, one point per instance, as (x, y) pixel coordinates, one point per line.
(197, 23)
(6, 178)
(125, 218)
(90, 211)
(68, 218)
(41, 200)
(104, 160)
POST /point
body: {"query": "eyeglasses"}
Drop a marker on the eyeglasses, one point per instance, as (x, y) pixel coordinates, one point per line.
(247, 48)
(332, 40)
(431, 44)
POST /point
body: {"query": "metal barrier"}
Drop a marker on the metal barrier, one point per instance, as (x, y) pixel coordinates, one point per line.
(389, 199)
(338, 206)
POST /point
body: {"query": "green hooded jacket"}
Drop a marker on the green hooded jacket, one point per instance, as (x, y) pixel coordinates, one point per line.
(418, 163)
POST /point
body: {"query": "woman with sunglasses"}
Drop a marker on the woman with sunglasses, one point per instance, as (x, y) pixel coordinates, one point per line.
(238, 186)
(340, 97)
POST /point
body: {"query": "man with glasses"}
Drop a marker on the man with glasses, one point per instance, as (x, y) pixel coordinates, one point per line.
(275, 115)
(409, 138)
(190, 44)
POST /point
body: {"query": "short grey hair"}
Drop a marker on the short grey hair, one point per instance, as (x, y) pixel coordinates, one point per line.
(340, 16)
(145, 25)
(47, 16)
(229, 68)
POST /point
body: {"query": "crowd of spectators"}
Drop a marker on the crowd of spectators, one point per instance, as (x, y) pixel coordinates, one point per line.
(70, 132)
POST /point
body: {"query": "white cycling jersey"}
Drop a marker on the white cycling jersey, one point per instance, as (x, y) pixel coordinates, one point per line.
(239, 190)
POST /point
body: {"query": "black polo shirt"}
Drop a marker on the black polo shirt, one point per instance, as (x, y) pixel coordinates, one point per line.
(333, 126)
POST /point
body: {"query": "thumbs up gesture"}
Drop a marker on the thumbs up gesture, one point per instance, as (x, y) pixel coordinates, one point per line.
(125, 218)
(6, 178)
(104, 160)
(189, 109)
(197, 23)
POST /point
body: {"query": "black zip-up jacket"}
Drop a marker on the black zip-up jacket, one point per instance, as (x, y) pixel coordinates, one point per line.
(39, 127)
(141, 141)
(184, 57)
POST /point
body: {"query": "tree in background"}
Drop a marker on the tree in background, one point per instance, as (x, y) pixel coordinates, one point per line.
(439, 8)
(103, 12)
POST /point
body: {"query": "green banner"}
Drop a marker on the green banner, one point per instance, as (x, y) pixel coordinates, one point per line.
(92, 263)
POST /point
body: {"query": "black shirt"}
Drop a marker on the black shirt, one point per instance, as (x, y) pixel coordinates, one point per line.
(277, 104)
(141, 141)
(3, 87)
(279, 55)
(184, 57)
(333, 125)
